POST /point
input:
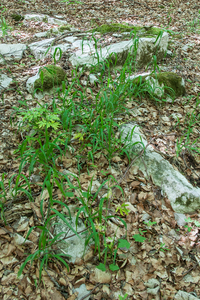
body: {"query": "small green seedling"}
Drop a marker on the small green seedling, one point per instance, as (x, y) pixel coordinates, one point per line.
(122, 209)
(149, 224)
(124, 297)
(139, 237)
(163, 248)
(188, 228)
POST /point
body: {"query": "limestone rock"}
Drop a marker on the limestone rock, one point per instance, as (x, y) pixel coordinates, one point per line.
(11, 52)
(184, 198)
(146, 48)
(4, 81)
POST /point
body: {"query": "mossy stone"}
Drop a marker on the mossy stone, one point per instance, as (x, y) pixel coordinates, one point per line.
(17, 18)
(169, 80)
(52, 76)
(64, 27)
(116, 27)
(172, 81)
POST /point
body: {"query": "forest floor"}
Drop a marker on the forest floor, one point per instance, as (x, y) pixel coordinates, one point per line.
(170, 252)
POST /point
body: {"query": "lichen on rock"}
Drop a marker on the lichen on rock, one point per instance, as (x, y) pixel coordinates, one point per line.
(52, 76)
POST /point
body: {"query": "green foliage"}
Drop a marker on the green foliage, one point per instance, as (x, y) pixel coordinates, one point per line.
(149, 224)
(4, 27)
(122, 209)
(124, 297)
(139, 237)
(17, 17)
(111, 252)
(55, 130)
(40, 118)
(163, 248)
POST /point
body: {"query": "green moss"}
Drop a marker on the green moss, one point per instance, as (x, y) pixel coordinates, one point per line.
(52, 76)
(154, 31)
(184, 200)
(64, 27)
(17, 17)
(172, 81)
(45, 19)
(115, 27)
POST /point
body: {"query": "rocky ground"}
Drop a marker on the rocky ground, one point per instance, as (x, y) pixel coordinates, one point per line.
(170, 253)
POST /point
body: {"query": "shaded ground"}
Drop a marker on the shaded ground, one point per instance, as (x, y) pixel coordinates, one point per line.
(177, 267)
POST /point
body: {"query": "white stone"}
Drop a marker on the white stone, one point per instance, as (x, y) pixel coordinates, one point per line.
(4, 81)
(30, 83)
(40, 48)
(41, 34)
(43, 18)
(82, 292)
(11, 52)
(120, 50)
(184, 198)
(92, 78)
(180, 219)
(75, 245)
(181, 295)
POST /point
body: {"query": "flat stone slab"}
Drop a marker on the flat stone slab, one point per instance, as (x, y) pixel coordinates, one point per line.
(11, 52)
(44, 18)
(184, 198)
(39, 49)
(145, 49)
(4, 81)
(70, 243)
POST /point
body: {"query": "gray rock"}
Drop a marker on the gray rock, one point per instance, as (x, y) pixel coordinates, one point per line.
(4, 81)
(43, 18)
(184, 198)
(73, 246)
(181, 295)
(180, 219)
(39, 49)
(11, 52)
(82, 292)
(145, 49)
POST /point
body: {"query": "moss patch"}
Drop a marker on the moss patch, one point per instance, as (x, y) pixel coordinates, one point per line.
(64, 27)
(115, 27)
(172, 83)
(52, 76)
(17, 18)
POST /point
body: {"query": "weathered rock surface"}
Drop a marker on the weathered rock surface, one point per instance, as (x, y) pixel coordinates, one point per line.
(181, 295)
(4, 81)
(161, 84)
(146, 48)
(11, 52)
(74, 246)
(44, 18)
(184, 198)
